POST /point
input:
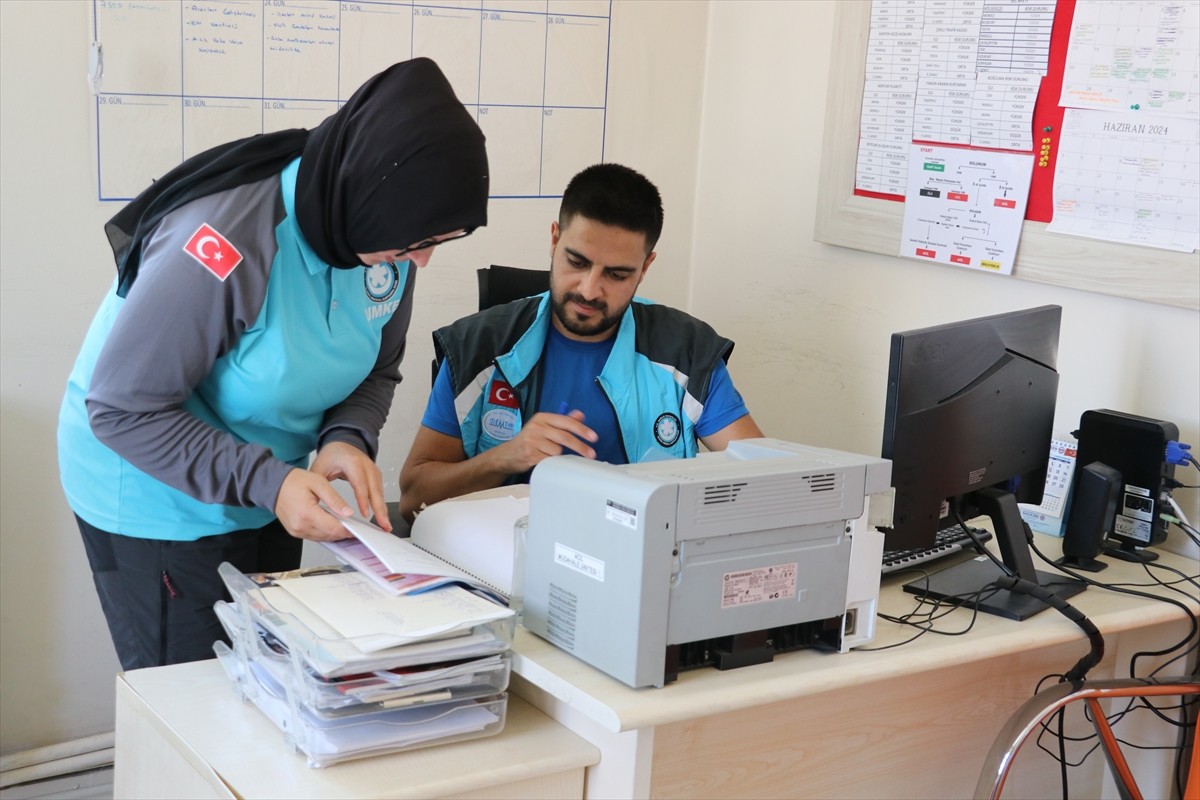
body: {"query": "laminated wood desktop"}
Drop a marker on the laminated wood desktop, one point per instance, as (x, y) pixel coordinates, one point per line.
(913, 721)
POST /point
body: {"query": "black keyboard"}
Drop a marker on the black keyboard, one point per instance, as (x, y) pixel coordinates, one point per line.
(949, 541)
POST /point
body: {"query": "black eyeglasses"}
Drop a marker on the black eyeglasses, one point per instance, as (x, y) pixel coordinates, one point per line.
(433, 241)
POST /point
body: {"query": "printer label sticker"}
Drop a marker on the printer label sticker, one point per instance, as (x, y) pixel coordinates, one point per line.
(758, 585)
(582, 563)
(622, 515)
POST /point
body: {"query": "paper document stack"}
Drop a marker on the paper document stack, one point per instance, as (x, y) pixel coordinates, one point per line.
(346, 669)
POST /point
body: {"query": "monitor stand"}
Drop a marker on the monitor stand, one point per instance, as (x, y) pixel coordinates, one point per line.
(961, 584)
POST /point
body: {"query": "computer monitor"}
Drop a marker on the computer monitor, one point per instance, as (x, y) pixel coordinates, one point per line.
(968, 424)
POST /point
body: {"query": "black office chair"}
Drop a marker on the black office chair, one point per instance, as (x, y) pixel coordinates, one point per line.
(499, 284)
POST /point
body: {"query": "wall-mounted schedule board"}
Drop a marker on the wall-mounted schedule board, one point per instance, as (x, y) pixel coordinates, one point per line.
(173, 78)
(851, 219)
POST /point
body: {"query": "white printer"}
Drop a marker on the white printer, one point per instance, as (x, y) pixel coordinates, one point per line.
(645, 569)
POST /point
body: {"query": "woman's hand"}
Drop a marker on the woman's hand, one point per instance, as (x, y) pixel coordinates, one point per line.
(345, 461)
(298, 507)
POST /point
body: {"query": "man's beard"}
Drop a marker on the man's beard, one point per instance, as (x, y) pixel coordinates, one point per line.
(590, 327)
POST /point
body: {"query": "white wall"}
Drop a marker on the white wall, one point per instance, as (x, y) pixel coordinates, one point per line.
(56, 661)
(729, 127)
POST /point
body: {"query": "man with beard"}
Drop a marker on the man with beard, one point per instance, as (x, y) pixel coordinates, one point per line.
(586, 368)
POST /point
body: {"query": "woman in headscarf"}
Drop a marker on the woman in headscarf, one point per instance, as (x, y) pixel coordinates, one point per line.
(263, 296)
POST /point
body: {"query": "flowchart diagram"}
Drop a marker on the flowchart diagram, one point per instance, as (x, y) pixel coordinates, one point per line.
(965, 207)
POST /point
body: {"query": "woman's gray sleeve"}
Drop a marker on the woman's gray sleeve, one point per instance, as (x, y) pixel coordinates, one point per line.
(177, 320)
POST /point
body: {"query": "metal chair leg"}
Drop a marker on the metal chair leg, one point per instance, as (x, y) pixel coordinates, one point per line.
(1030, 716)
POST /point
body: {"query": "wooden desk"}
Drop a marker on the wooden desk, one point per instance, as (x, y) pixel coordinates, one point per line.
(914, 721)
(181, 731)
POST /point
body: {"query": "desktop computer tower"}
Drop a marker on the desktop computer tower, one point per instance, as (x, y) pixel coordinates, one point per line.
(1136, 448)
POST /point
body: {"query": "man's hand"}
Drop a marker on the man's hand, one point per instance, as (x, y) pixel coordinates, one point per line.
(545, 435)
(345, 461)
(298, 507)
(438, 467)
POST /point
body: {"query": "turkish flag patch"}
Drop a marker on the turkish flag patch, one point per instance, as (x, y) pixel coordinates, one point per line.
(213, 250)
(501, 394)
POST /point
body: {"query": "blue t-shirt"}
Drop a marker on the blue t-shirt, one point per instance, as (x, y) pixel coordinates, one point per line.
(569, 370)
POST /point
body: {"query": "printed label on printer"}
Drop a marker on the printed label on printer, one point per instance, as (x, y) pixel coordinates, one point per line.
(582, 563)
(622, 515)
(758, 585)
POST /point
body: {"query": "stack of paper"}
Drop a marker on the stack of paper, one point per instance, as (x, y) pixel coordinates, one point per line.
(351, 604)
(347, 670)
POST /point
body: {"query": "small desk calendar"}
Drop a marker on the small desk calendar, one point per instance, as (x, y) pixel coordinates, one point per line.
(1051, 516)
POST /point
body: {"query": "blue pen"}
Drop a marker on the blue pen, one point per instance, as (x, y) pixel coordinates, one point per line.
(563, 408)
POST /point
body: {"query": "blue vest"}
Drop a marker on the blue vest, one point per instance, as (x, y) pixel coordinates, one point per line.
(315, 340)
(656, 375)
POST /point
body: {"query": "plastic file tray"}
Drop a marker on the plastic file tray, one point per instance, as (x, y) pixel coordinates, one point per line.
(260, 625)
(334, 702)
(327, 739)
(388, 689)
(474, 677)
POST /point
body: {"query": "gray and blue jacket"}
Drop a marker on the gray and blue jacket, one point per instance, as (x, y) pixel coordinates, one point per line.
(195, 395)
(656, 376)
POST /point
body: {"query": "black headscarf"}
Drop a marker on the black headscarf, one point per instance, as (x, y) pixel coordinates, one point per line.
(400, 162)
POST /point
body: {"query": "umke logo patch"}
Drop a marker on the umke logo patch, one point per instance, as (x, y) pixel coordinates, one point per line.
(213, 250)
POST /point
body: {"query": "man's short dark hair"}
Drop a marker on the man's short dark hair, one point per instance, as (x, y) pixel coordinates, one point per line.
(612, 194)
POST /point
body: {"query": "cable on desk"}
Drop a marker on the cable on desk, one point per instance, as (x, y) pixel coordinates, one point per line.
(1194, 580)
(924, 623)
(1095, 638)
(1166, 584)
(1195, 624)
(931, 616)
(1159, 582)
